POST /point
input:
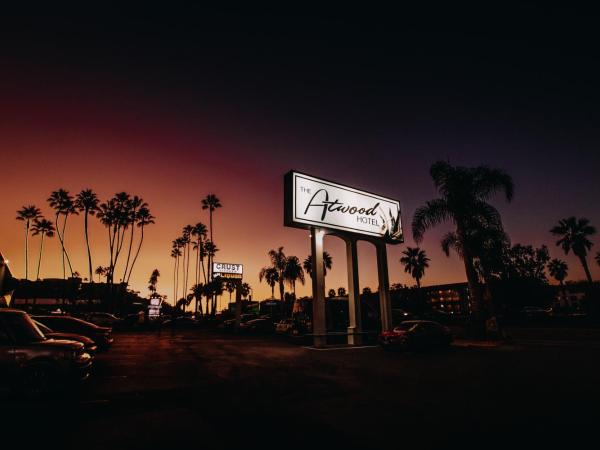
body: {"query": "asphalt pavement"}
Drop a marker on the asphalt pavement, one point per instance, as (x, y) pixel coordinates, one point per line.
(209, 390)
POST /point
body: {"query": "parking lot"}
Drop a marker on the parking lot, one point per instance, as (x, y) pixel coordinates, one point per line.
(212, 390)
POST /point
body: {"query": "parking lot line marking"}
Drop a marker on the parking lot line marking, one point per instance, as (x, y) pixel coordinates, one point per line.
(340, 348)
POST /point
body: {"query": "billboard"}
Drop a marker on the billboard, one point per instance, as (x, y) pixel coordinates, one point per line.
(315, 202)
(228, 270)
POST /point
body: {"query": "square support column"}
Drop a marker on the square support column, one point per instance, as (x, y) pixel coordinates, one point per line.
(318, 287)
(385, 303)
(354, 315)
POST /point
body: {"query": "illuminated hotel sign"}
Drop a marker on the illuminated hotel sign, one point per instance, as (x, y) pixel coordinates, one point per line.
(227, 270)
(314, 202)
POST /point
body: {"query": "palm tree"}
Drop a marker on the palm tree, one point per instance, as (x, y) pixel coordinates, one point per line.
(42, 227)
(558, 270)
(153, 281)
(87, 202)
(464, 193)
(143, 219)
(278, 262)
(574, 235)
(415, 262)
(27, 214)
(271, 276)
(133, 208)
(245, 290)
(230, 287)
(187, 237)
(199, 232)
(62, 203)
(327, 263)
(101, 271)
(175, 254)
(198, 291)
(293, 272)
(211, 202)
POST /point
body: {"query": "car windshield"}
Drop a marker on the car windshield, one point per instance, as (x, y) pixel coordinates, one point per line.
(24, 329)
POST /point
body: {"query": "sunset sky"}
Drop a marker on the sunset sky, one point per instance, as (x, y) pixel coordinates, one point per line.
(175, 105)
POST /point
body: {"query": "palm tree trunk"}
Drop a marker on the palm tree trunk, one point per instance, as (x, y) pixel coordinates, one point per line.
(27, 249)
(64, 248)
(87, 243)
(60, 239)
(37, 277)
(418, 283)
(129, 252)
(137, 253)
(586, 268)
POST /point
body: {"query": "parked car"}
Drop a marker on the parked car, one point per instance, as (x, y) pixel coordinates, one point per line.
(416, 335)
(33, 363)
(103, 319)
(285, 326)
(89, 345)
(102, 336)
(181, 322)
(230, 323)
(260, 325)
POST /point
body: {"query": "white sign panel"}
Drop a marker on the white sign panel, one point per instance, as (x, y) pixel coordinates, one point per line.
(316, 202)
(227, 268)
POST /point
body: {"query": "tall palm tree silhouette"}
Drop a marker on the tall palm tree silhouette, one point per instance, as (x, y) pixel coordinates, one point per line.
(464, 193)
(187, 238)
(327, 264)
(293, 272)
(574, 235)
(133, 207)
(175, 254)
(271, 276)
(415, 262)
(42, 227)
(211, 202)
(62, 203)
(143, 218)
(199, 232)
(87, 202)
(28, 214)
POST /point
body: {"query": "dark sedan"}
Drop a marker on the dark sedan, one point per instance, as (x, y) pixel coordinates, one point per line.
(34, 364)
(260, 325)
(102, 336)
(89, 344)
(416, 335)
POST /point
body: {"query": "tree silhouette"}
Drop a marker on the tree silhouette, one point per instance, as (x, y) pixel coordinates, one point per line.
(62, 203)
(87, 202)
(133, 207)
(153, 281)
(28, 214)
(574, 235)
(42, 227)
(271, 276)
(464, 193)
(415, 262)
(293, 272)
(327, 264)
(211, 202)
(559, 270)
(143, 219)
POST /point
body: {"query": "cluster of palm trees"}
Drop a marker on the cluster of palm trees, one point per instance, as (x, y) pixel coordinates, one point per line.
(197, 242)
(121, 215)
(478, 236)
(283, 269)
